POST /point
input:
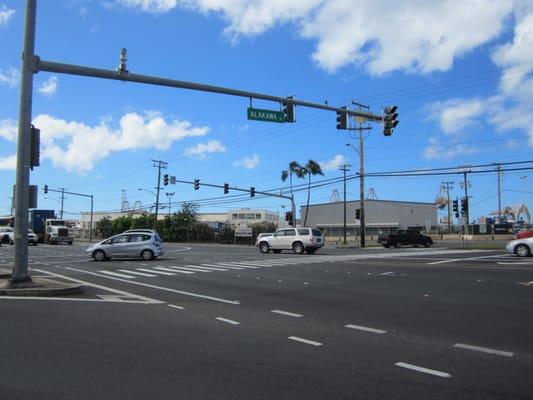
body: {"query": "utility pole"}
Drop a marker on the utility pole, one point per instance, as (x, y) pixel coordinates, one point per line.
(498, 168)
(344, 168)
(169, 195)
(360, 129)
(158, 164)
(449, 185)
(467, 209)
(62, 200)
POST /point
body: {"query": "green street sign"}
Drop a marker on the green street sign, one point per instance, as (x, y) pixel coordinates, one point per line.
(265, 115)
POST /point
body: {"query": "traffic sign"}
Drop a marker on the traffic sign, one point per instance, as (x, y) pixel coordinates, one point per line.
(259, 114)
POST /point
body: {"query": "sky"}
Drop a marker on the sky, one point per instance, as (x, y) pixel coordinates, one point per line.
(460, 72)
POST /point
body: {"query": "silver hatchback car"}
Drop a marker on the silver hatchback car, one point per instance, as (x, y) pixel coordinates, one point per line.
(145, 245)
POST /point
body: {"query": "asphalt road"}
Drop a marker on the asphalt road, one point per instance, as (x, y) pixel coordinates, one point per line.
(226, 322)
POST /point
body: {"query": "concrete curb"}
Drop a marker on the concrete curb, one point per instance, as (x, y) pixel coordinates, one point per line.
(37, 287)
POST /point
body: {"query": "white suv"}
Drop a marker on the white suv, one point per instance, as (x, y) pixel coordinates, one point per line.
(295, 239)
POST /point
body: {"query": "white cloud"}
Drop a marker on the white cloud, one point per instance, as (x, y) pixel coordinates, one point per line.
(10, 77)
(416, 35)
(201, 149)
(8, 129)
(333, 164)
(248, 162)
(49, 87)
(457, 114)
(446, 151)
(76, 146)
(153, 6)
(5, 15)
(9, 162)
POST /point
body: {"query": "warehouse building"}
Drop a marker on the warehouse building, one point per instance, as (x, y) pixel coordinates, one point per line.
(381, 217)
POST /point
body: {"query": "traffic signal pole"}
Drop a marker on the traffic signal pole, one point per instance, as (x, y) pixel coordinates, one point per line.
(158, 164)
(20, 272)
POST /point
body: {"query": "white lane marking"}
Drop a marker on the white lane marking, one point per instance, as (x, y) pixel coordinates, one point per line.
(462, 259)
(111, 299)
(365, 328)
(484, 350)
(185, 293)
(386, 273)
(306, 341)
(155, 272)
(513, 263)
(289, 314)
(136, 273)
(176, 269)
(146, 300)
(228, 321)
(178, 250)
(144, 265)
(424, 370)
(177, 307)
(240, 265)
(217, 266)
(115, 274)
(208, 268)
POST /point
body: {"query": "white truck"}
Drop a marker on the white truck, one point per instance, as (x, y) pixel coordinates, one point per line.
(57, 231)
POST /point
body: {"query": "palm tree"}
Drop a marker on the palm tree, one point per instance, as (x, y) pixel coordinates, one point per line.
(293, 168)
(311, 168)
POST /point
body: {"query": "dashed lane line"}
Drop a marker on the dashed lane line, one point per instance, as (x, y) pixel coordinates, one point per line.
(424, 370)
(227, 321)
(151, 271)
(484, 350)
(176, 307)
(287, 313)
(365, 328)
(306, 341)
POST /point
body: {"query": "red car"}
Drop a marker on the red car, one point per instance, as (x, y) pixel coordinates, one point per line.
(525, 234)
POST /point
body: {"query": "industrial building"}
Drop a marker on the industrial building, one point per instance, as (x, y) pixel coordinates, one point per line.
(381, 216)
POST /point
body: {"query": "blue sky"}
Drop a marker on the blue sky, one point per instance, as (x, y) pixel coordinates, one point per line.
(459, 71)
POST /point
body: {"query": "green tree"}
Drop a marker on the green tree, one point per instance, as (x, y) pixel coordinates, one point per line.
(104, 227)
(293, 168)
(121, 224)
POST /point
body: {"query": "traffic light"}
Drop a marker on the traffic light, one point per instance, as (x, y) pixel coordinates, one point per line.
(35, 144)
(389, 120)
(455, 206)
(252, 191)
(357, 213)
(342, 119)
(464, 206)
(288, 110)
(226, 188)
(196, 184)
(45, 189)
(165, 179)
(288, 217)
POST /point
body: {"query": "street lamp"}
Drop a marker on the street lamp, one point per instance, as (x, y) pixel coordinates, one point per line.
(156, 204)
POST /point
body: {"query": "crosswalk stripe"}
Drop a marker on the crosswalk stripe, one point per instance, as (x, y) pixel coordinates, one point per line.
(154, 272)
(176, 269)
(191, 269)
(115, 274)
(244, 266)
(224, 265)
(208, 268)
(159, 268)
(136, 273)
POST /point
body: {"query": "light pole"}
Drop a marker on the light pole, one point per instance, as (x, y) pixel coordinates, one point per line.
(344, 168)
(523, 180)
(361, 188)
(169, 196)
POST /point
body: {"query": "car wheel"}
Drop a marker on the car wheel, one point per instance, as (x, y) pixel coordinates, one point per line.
(99, 255)
(277, 251)
(522, 250)
(147, 255)
(298, 248)
(264, 247)
(70, 242)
